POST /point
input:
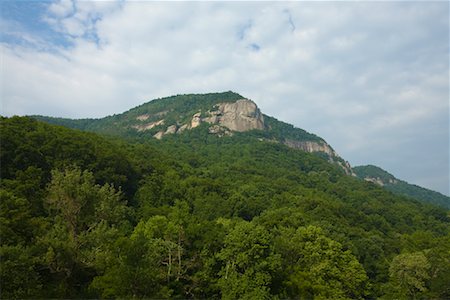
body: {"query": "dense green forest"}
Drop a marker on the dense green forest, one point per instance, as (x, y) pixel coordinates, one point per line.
(179, 109)
(198, 216)
(401, 187)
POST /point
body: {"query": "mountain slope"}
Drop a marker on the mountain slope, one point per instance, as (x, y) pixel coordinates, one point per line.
(223, 114)
(202, 216)
(388, 181)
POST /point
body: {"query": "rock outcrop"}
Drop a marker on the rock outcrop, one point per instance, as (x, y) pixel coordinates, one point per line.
(148, 126)
(310, 146)
(379, 181)
(196, 120)
(143, 117)
(183, 128)
(171, 129)
(219, 131)
(242, 115)
(159, 135)
(346, 167)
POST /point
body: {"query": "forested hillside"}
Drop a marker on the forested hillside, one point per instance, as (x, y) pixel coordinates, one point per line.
(174, 110)
(179, 114)
(397, 186)
(223, 113)
(202, 216)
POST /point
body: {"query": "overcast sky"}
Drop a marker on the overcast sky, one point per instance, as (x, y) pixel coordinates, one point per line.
(371, 78)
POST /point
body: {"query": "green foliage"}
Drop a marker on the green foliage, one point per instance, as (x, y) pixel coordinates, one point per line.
(31, 149)
(179, 108)
(197, 216)
(409, 273)
(16, 224)
(438, 257)
(81, 203)
(318, 267)
(401, 187)
(284, 131)
(249, 263)
(18, 275)
(148, 262)
(70, 192)
(84, 214)
(373, 172)
(134, 270)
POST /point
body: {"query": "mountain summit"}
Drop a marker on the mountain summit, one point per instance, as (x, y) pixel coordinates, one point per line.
(240, 116)
(220, 114)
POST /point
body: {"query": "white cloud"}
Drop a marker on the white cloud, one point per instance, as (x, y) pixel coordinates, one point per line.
(62, 8)
(368, 77)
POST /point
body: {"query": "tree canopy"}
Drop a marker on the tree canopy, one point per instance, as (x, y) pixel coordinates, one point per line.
(198, 216)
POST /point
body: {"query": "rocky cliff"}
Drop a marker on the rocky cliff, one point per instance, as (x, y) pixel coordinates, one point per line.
(240, 116)
(311, 146)
(323, 147)
(243, 115)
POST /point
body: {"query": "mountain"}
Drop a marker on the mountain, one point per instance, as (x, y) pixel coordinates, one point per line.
(204, 215)
(227, 114)
(221, 114)
(388, 181)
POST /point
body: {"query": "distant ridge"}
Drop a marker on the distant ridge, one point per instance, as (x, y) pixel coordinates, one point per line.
(388, 181)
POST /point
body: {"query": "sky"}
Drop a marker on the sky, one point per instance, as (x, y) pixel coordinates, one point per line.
(371, 78)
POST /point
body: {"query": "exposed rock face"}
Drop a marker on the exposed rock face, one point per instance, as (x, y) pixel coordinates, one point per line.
(183, 128)
(310, 146)
(219, 131)
(213, 117)
(375, 180)
(228, 117)
(143, 117)
(242, 115)
(393, 181)
(148, 125)
(380, 181)
(196, 120)
(347, 168)
(159, 135)
(171, 129)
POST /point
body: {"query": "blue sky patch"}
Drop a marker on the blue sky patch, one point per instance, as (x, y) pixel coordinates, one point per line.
(23, 24)
(254, 47)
